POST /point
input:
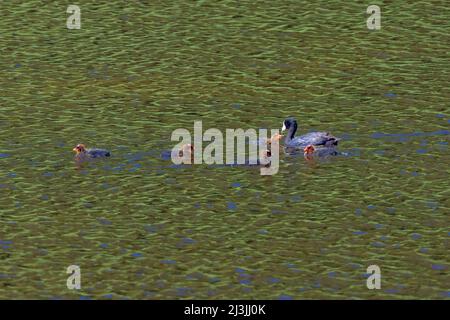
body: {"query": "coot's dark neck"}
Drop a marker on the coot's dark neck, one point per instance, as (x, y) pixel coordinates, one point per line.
(291, 132)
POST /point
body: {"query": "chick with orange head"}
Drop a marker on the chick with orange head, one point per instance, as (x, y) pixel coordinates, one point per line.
(187, 152)
(275, 137)
(81, 152)
(308, 152)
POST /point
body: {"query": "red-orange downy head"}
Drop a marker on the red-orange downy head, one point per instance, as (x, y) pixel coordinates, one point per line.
(309, 150)
(79, 148)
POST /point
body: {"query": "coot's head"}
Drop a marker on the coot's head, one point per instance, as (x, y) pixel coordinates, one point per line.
(79, 148)
(288, 124)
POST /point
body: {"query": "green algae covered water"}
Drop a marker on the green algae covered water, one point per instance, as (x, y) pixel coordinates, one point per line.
(141, 228)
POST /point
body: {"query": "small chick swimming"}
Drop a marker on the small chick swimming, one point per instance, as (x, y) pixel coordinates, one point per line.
(310, 152)
(275, 137)
(83, 153)
(187, 153)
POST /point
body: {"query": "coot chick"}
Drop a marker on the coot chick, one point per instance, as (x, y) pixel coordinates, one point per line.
(310, 152)
(83, 153)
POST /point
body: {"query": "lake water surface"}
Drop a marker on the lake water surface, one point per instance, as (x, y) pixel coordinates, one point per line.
(142, 228)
